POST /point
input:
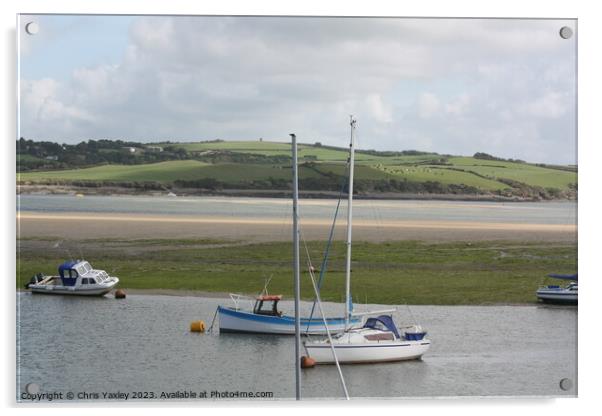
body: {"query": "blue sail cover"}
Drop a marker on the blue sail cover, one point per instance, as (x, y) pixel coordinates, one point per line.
(66, 277)
(386, 320)
(564, 276)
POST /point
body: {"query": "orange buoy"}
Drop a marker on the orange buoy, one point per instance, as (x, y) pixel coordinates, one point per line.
(307, 362)
(120, 294)
(197, 326)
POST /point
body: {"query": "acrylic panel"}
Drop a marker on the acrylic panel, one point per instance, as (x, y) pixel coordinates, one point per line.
(436, 167)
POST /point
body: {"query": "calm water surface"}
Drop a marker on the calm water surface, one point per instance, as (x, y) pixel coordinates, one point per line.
(375, 210)
(143, 343)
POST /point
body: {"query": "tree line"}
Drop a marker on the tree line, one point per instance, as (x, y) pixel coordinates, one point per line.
(46, 155)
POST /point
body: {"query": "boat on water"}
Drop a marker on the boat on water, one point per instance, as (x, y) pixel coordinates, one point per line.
(265, 318)
(378, 340)
(74, 278)
(560, 294)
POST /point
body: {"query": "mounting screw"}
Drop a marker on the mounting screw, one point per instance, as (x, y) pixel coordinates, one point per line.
(32, 28)
(566, 32)
(566, 384)
(32, 388)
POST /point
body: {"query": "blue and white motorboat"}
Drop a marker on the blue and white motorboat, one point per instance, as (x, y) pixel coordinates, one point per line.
(74, 278)
(265, 318)
(558, 294)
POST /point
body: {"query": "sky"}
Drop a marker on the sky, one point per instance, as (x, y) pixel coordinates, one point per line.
(452, 86)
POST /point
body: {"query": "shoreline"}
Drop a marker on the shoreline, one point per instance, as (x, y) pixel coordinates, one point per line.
(190, 219)
(387, 273)
(156, 292)
(225, 296)
(85, 225)
(267, 193)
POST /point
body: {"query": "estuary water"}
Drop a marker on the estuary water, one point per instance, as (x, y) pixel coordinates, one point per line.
(562, 213)
(142, 344)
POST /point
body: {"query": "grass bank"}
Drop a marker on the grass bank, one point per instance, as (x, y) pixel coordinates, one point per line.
(490, 272)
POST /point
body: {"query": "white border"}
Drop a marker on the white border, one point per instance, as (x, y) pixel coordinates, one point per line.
(589, 154)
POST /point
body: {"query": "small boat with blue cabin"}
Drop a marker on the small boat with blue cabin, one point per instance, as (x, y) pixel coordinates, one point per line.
(74, 278)
(265, 318)
(379, 340)
(558, 294)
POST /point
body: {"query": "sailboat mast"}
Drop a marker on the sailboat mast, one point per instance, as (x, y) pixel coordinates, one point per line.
(296, 268)
(349, 220)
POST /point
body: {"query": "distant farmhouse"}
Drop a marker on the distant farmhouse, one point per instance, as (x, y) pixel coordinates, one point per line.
(129, 149)
(156, 149)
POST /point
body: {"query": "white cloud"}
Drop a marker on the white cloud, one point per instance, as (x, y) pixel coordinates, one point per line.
(379, 109)
(459, 105)
(40, 102)
(551, 105)
(454, 85)
(428, 105)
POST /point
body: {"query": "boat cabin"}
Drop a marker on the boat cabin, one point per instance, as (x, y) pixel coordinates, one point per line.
(571, 286)
(70, 271)
(383, 323)
(267, 305)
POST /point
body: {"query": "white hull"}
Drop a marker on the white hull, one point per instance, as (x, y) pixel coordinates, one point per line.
(557, 295)
(241, 321)
(94, 290)
(75, 278)
(354, 353)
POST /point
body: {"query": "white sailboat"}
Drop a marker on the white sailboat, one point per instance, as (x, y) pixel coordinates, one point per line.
(378, 340)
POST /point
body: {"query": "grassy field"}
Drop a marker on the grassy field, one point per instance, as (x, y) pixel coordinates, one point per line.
(523, 172)
(486, 175)
(284, 149)
(162, 172)
(167, 172)
(492, 272)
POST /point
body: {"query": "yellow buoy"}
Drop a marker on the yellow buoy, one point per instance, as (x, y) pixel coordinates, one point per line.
(197, 326)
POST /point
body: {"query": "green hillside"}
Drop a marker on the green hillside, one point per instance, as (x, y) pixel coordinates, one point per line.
(266, 165)
(322, 153)
(522, 172)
